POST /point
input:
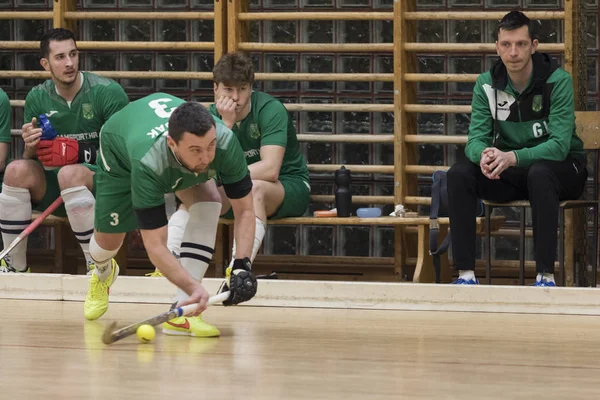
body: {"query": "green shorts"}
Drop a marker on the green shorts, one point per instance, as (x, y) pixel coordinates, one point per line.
(295, 200)
(53, 190)
(114, 208)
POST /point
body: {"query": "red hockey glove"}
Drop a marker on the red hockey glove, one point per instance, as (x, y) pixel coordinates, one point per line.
(58, 152)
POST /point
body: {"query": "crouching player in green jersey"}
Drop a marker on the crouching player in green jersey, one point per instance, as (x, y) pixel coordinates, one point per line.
(158, 145)
(268, 137)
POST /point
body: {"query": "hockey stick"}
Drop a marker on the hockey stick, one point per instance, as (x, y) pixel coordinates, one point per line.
(36, 222)
(111, 335)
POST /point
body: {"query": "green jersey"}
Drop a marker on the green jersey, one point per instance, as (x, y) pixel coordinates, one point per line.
(5, 125)
(97, 100)
(537, 124)
(136, 138)
(269, 123)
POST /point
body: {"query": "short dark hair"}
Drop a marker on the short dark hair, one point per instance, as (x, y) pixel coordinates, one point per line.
(55, 35)
(234, 69)
(514, 20)
(190, 117)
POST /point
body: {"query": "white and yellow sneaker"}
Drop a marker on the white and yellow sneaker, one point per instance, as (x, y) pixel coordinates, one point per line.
(190, 326)
(6, 268)
(96, 300)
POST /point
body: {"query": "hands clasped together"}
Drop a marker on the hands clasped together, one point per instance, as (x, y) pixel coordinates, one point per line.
(493, 162)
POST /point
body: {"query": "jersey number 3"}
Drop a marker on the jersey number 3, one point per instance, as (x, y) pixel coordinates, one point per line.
(160, 108)
(115, 219)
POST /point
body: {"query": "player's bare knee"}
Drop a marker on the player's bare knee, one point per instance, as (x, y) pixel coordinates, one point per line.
(258, 191)
(75, 175)
(206, 192)
(23, 174)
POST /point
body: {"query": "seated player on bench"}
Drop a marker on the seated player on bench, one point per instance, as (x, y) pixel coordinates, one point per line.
(76, 104)
(157, 145)
(268, 137)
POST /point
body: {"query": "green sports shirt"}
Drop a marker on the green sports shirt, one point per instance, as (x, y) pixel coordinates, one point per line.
(137, 141)
(97, 100)
(269, 123)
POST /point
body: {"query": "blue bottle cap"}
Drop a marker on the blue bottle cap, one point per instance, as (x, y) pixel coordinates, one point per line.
(48, 132)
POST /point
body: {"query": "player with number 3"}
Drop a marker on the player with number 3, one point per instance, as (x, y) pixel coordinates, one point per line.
(156, 145)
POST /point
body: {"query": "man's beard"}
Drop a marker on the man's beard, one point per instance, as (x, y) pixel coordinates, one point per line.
(188, 167)
(63, 81)
(196, 171)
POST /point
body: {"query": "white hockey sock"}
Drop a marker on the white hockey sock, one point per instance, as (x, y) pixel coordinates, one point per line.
(79, 203)
(177, 224)
(102, 258)
(259, 235)
(198, 244)
(15, 216)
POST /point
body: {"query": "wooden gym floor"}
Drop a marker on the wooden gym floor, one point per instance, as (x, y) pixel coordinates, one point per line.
(48, 351)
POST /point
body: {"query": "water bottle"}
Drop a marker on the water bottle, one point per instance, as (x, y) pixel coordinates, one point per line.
(343, 195)
(48, 132)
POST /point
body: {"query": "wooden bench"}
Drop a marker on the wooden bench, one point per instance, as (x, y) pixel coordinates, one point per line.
(424, 263)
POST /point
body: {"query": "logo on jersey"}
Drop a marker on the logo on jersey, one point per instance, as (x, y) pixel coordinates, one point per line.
(254, 131)
(252, 153)
(159, 130)
(540, 130)
(51, 113)
(537, 103)
(499, 102)
(88, 111)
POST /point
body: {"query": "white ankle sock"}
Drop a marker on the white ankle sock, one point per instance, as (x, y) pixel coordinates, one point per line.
(79, 203)
(177, 224)
(198, 245)
(466, 274)
(102, 258)
(15, 216)
(259, 235)
(547, 277)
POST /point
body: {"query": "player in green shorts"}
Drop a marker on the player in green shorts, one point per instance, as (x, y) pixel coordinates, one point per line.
(268, 137)
(76, 104)
(5, 137)
(155, 146)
